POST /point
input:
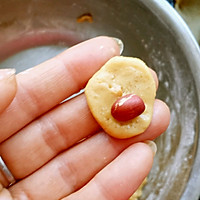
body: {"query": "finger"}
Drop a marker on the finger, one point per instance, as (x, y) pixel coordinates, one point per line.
(69, 169)
(61, 128)
(48, 136)
(8, 87)
(155, 77)
(45, 86)
(121, 178)
(5, 195)
(70, 172)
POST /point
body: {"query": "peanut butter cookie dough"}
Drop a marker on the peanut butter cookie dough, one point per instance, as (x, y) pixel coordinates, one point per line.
(122, 77)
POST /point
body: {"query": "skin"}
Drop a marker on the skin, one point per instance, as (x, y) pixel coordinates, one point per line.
(39, 137)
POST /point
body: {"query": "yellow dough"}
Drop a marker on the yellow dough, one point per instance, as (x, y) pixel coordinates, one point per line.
(118, 77)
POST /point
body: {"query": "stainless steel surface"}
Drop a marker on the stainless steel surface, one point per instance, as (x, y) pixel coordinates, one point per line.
(151, 30)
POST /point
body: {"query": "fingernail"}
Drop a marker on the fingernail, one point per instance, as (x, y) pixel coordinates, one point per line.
(152, 145)
(6, 73)
(119, 43)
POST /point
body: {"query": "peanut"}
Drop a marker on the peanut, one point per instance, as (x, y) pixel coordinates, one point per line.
(127, 107)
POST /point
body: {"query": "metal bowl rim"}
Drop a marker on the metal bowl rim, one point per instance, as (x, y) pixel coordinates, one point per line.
(185, 39)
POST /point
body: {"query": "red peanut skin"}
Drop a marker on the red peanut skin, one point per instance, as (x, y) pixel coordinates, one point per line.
(127, 107)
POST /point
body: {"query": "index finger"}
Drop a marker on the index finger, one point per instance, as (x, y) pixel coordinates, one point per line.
(46, 85)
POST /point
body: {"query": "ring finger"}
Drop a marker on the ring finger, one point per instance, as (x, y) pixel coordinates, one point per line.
(41, 145)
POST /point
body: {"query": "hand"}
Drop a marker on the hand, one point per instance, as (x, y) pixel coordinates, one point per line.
(57, 150)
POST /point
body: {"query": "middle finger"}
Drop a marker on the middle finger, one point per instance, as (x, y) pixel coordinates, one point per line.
(47, 136)
(41, 145)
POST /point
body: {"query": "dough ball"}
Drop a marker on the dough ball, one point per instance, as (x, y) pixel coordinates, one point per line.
(121, 76)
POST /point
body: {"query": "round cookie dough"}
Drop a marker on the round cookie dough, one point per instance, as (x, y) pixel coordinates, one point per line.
(118, 77)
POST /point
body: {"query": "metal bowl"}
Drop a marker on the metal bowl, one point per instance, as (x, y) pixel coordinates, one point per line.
(35, 30)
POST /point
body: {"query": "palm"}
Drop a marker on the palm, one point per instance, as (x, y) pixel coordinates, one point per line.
(41, 138)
